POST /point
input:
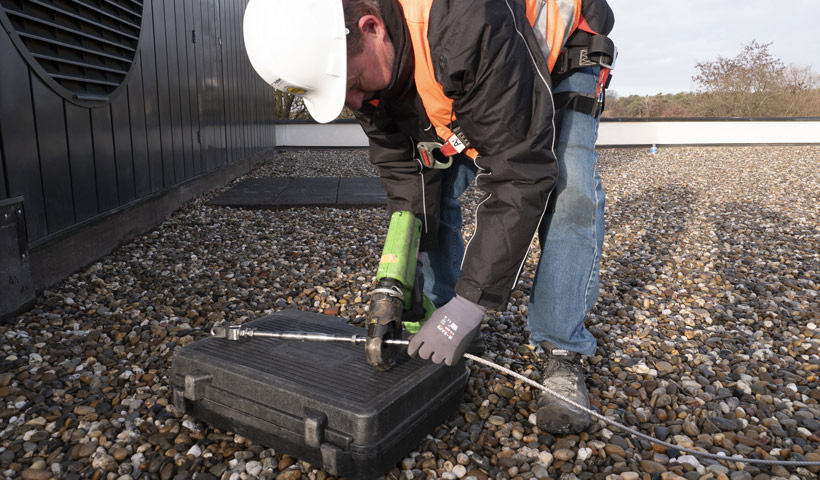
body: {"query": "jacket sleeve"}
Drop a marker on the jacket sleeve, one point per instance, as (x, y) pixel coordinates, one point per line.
(598, 15)
(487, 60)
(408, 187)
(600, 18)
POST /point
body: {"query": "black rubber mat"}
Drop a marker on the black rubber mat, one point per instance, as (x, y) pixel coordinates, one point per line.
(286, 192)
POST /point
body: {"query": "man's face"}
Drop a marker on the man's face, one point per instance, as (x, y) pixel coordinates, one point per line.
(369, 71)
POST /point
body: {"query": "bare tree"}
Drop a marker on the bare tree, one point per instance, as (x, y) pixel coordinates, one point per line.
(752, 84)
(292, 107)
(798, 77)
(740, 86)
(799, 96)
(289, 107)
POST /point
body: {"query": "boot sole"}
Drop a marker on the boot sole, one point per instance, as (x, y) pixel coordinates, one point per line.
(559, 420)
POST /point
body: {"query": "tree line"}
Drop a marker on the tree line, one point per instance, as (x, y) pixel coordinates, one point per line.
(752, 84)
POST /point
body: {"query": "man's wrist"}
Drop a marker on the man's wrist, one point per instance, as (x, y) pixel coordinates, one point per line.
(490, 297)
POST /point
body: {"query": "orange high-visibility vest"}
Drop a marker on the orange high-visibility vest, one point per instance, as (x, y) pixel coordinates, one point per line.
(553, 21)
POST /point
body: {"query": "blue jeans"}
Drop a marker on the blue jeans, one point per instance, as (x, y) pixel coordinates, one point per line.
(442, 267)
(571, 234)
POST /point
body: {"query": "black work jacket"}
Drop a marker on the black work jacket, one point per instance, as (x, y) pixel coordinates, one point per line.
(484, 55)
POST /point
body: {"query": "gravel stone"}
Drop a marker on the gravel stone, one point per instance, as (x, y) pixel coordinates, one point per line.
(707, 329)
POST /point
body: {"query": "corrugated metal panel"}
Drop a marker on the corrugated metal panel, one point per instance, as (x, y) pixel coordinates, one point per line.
(171, 82)
(205, 89)
(228, 80)
(181, 41)
(192, 87)
(214, 39)
(186, 106)
(20, 137)
(220, 73)
(3, 191)
(247, 91)
(49, 119)
(87, 47)
(104, 164)
(148, 74)
(81, 159)
(123, 150)
(139, 139)
(160, 54)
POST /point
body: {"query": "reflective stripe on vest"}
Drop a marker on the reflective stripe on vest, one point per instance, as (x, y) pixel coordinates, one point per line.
(552, 20)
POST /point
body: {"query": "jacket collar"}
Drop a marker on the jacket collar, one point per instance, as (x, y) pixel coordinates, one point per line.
(402, 75)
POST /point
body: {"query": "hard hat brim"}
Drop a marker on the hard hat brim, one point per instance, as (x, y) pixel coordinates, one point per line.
(308, 62)
(325, 105)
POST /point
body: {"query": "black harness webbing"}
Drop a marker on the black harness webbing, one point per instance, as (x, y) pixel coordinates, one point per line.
(599, 52)
(580, 102)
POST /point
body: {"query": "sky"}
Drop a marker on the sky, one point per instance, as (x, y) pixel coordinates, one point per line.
(660, 41)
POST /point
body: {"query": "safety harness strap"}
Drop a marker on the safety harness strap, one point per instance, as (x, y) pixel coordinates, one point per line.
(584, 102)
(556, 22)
(580, 102)
(600, 51)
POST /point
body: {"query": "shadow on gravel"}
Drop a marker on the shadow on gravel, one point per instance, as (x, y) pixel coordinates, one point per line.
(770, 269)
(642, 231)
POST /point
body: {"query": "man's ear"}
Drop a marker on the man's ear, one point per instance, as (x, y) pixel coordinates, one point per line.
(371, 25)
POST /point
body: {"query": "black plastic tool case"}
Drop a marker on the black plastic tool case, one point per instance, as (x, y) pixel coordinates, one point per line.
(319, 402)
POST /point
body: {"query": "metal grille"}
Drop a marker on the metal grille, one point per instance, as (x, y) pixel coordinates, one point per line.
(87, 46)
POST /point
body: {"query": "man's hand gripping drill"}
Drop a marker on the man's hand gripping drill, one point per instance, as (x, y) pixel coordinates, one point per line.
(398, 296)
(399, 301)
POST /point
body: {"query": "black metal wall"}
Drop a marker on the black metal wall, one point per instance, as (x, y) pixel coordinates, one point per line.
(190, 105)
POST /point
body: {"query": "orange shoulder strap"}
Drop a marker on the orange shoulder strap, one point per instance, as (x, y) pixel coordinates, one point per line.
(439, 107)
(552, 20)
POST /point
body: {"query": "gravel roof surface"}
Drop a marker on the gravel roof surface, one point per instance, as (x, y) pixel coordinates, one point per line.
(707, 325)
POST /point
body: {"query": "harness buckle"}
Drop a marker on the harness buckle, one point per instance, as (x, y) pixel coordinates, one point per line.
(602, 51)
(562, 62)
(599, 51)
(611, 64)
(432, 156)
(584, 60)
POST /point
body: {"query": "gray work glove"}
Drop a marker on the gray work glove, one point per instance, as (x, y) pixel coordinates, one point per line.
(448, 332)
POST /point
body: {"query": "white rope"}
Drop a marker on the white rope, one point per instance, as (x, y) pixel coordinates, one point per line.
(357, 339)
(698, 453)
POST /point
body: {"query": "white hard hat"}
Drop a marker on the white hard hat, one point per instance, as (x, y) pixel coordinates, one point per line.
(298, 46)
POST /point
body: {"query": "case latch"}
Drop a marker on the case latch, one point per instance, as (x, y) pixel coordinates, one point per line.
(315, 423)
(195, 385)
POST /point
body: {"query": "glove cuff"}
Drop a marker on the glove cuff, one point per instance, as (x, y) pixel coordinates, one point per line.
(470, 305)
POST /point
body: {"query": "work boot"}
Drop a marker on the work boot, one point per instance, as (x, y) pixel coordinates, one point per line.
(563, 374)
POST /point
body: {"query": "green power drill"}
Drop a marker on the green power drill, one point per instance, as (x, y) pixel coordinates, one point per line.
(398, 302)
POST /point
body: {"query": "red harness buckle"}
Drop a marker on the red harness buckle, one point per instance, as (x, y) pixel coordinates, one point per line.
(435, 154)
